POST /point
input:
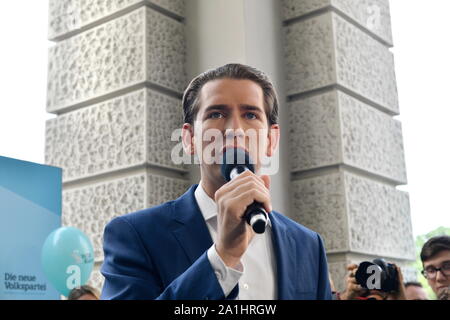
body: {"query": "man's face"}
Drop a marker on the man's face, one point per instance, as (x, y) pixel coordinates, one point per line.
(231, 114)
(415, 293)
(440, 282)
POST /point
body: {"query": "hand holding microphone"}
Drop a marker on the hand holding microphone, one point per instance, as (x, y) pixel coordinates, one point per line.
(235, 162)
(244, 193)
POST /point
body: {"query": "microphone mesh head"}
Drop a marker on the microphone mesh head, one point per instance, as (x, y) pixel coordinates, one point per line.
(233, 157)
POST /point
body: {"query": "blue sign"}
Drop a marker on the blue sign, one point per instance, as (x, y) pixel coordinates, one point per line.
(30, 209)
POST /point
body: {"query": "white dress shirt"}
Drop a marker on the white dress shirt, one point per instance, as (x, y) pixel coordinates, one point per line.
(256, 274)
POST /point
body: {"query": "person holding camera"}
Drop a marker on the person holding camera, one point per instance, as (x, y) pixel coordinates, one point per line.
(390, 287)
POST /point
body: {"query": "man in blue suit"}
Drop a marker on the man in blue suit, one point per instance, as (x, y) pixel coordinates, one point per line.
(199, 246)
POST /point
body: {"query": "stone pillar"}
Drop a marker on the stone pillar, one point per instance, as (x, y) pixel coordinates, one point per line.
(115, 79)
(347, 152)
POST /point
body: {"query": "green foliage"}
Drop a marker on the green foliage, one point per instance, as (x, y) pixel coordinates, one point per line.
(420, 241)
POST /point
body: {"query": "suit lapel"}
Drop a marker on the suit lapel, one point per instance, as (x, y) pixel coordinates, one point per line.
(285, 253)
(190, 230)
(190, 227)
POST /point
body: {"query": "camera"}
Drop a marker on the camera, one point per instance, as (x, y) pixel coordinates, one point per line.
(377, 275)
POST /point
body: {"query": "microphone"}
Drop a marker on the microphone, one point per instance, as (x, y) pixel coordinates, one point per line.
(236, 161)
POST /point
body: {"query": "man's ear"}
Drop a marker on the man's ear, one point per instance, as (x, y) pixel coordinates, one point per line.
(187, 135)
(274, 138)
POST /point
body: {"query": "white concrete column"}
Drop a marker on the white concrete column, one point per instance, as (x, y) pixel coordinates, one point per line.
(346, 148)
(116, 74)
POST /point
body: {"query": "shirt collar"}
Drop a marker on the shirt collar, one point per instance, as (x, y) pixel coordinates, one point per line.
(208, 206)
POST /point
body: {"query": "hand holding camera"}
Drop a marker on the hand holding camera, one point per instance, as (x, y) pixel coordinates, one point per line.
(377, 280)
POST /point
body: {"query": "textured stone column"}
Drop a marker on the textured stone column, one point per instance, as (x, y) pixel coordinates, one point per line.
(347, 151)
(115, 78)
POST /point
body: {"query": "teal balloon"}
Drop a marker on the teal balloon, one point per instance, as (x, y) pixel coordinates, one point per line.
(67, 259)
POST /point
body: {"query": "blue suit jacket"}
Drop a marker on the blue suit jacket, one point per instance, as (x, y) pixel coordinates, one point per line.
(160, 253)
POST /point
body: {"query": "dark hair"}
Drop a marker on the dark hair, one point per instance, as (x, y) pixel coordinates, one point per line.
(433, 246)
(191, 96)
(77, 292)
(413, 283)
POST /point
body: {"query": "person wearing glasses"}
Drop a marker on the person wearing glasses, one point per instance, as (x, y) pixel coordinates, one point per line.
(435, 258)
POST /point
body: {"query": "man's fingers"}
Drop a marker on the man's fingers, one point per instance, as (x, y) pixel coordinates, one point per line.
(241, 179)
(266, 180)
(352, 266)
(247, 197)
(400, 274)
(355, 287)
(248, 186)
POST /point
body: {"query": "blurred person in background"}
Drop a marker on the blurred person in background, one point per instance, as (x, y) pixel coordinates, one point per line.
(83, 293)
(415, 291)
